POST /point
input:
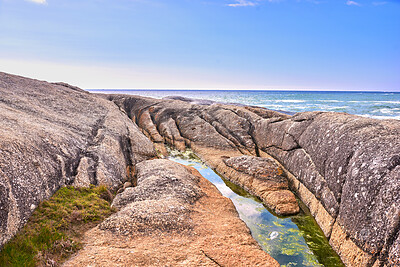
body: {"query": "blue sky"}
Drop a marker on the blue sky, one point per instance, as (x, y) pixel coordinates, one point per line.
(204, 44)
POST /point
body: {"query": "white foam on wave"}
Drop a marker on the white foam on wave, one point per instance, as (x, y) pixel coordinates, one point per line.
(336, 107)
(329, 101)
(311, 107)
(391, 111)
(271, 100)
(292, 101)
(379, 117)
(386, 102)
(375, 101)
(274, 106)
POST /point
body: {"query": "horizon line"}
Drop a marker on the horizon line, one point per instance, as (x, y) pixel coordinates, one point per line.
(249, 90)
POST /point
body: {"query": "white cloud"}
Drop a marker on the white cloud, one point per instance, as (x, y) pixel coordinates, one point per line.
(40, 2)
(352, 3)
(379, 3)
(251, 3)
(240, 3)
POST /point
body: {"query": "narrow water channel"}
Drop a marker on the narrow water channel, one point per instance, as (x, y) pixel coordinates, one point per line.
(291, 240)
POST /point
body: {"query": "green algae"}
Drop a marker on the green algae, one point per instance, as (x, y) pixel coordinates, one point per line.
(316, 240)
(186, 155)
(299, 243)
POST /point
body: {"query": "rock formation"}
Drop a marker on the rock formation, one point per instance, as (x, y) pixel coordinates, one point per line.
(264, 178)
(173, 217)
(215, 132)
(53, 135)
(345, 168)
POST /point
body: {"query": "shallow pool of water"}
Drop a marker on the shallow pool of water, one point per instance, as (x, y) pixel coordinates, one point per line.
(291, 240)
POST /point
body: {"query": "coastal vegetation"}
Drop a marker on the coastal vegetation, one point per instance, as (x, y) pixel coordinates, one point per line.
(55, 229)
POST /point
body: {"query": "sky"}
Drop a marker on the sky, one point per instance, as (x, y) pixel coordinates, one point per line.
(204, 44)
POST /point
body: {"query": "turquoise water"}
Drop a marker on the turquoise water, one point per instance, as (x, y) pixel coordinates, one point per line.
(378, 105)
(292, 240)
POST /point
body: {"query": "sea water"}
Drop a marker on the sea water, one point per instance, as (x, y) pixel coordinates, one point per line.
(379, 105)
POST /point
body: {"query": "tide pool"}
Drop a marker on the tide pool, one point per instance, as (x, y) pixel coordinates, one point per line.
(291, 240)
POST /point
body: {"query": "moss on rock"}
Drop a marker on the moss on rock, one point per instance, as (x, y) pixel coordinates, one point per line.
(55, 229)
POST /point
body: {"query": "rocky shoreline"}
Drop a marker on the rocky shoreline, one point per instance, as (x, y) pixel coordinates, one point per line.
(345, 168)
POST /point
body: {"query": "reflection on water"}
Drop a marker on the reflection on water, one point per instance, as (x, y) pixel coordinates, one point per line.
(292, 241)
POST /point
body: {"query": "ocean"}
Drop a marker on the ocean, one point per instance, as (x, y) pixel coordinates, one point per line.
(379, 105)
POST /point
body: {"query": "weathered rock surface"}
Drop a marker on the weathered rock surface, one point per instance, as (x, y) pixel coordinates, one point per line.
(53, 135)
(173, 217)
(344, 167)
(264, 178)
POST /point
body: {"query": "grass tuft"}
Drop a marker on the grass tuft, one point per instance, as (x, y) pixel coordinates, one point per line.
(55, 229)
